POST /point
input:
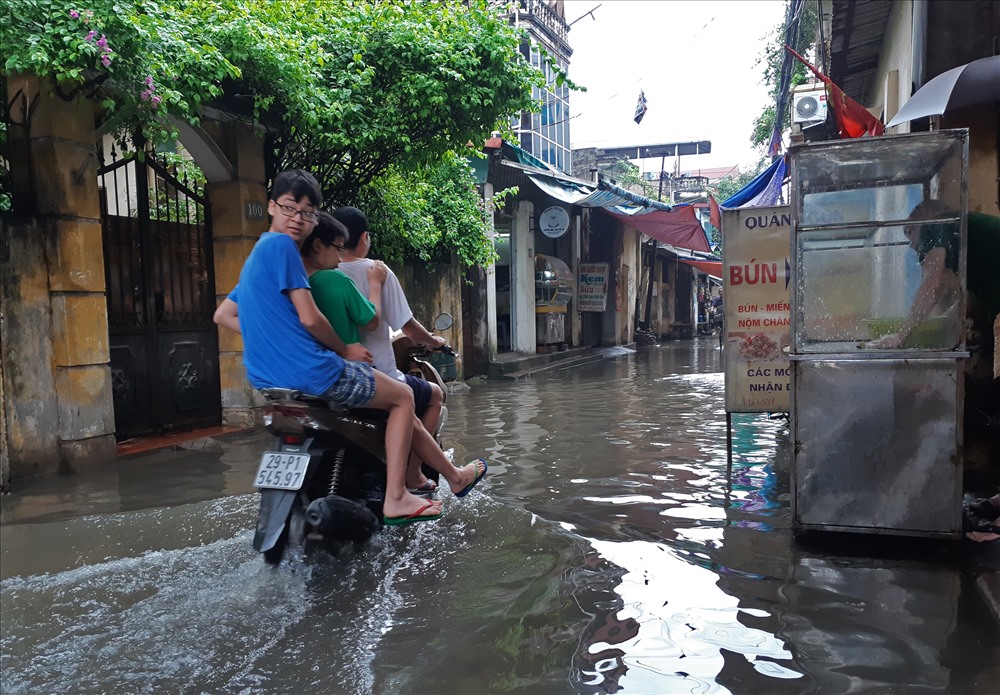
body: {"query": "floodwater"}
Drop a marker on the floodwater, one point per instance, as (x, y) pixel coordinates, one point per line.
(608, 550)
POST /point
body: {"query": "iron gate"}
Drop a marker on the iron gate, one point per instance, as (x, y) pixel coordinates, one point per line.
(161, 295)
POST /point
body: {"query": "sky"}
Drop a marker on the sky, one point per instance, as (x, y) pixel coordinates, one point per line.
(695, 61)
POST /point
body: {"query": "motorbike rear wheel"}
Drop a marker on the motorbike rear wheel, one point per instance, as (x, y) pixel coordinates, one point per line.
(293, 536)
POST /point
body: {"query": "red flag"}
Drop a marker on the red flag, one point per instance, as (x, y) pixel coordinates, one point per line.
(715, 214)
(853, 119)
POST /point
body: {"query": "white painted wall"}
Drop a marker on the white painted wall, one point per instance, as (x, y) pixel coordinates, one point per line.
(632, 259)
(491, 280)
(894, 76)
(522, 281)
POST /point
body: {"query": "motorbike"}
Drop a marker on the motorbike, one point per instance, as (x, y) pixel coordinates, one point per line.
(323, 481)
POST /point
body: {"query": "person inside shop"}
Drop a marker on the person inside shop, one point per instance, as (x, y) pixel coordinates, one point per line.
(938, 294)
(936, 245)
(717, 310)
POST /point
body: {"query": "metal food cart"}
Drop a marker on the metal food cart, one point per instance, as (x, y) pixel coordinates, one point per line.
(877, 424)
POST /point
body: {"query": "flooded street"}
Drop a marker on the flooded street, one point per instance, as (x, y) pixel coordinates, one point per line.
(608, 550)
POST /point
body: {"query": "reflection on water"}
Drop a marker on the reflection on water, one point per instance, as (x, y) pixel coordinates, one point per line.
(609, 550)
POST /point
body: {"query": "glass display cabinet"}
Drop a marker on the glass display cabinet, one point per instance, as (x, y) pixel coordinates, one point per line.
(877, 319)
(553, 290)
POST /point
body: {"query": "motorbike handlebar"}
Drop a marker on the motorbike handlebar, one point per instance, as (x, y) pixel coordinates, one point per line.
(424, 350)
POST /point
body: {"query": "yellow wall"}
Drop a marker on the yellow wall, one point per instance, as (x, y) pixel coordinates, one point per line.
(55, 352)
(58, 410)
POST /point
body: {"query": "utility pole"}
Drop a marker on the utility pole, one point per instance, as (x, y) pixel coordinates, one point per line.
(659, 194)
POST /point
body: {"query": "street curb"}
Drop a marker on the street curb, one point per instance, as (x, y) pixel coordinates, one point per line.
(193, 439)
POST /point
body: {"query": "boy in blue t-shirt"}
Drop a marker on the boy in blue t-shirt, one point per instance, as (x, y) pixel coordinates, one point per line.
(288, 343)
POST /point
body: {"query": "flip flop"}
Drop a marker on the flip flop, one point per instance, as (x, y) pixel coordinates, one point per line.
(977, 525)
(984, 509)
(412, 518)
(479, 476)
(428, 486)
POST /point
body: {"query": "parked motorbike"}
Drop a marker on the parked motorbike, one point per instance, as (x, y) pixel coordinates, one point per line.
(323, 481)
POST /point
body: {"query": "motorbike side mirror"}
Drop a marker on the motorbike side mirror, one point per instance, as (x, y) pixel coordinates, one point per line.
(443, 322)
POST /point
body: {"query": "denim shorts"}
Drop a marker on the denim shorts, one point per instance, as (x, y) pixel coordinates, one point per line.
(356, 386)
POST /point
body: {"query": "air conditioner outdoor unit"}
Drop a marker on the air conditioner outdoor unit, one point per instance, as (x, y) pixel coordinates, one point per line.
(809, 105)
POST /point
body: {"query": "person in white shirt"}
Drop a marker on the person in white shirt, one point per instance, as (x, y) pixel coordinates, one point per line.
(396, 314)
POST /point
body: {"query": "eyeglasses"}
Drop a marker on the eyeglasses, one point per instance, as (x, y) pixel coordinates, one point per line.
(339, 248)
(291, 211)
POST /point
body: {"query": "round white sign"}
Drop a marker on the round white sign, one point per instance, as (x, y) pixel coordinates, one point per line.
(553, 221)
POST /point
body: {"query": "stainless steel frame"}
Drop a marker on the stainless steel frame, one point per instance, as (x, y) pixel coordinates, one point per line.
(877, 432)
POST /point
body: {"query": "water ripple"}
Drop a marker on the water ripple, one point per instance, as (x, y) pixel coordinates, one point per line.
(610, 548)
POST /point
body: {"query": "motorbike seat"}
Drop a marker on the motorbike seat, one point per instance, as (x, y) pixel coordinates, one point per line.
(280, 394)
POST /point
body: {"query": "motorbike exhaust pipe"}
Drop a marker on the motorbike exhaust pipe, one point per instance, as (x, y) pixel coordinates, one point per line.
(341, 519)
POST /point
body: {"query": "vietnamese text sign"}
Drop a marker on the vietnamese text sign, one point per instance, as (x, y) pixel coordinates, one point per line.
(756, 308)
(592, 287)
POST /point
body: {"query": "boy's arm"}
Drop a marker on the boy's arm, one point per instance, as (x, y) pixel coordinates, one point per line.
(376, 276)
(228, 316)
(320, 329)
(415, 331)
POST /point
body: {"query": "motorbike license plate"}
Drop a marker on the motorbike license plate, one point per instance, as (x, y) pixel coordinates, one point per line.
(281, 471)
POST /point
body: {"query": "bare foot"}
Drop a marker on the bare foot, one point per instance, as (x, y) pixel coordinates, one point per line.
(980, 537)
(466, 475)
(417, 481)
(410, 504)
(426, 486)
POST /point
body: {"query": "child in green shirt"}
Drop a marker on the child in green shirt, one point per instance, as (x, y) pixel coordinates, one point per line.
(336, 295)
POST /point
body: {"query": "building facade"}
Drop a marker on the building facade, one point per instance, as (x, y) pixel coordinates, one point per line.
(545, 134)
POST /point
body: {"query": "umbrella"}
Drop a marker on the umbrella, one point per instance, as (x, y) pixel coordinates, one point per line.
(973, 83)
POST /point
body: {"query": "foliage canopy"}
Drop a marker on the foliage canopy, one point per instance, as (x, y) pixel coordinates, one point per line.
(374, 96)
(800, 30)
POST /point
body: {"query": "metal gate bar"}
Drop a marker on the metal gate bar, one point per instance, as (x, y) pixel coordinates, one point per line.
(161, 295)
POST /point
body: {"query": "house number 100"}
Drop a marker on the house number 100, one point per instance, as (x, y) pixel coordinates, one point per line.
(255, 211)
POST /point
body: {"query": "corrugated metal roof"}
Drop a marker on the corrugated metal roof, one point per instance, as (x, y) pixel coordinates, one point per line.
(858, 28)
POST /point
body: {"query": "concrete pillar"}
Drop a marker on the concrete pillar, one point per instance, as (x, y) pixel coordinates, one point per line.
(491, 280)
(522, 282)
(575, 317)
(617, 289)
(239, 216)
(59, 405)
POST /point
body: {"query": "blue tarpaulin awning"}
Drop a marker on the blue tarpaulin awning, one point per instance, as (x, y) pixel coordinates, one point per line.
(763, 190)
